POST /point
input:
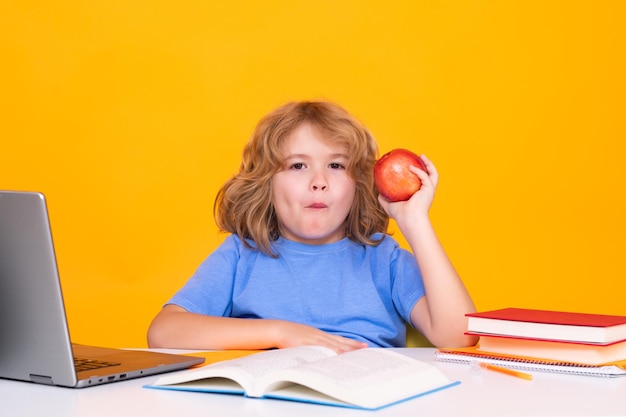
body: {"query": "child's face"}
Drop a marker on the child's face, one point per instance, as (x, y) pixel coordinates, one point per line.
(313, 193)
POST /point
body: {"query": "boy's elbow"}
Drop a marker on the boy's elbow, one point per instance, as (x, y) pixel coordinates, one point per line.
(162, 333)
(157, 336)
(154, 341)
(456, 341)
(452, 340)
(467, 340)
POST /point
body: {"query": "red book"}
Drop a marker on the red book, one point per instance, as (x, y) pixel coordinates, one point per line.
(548, 325)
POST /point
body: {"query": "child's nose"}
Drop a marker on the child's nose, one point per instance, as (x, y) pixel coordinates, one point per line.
(319, 183)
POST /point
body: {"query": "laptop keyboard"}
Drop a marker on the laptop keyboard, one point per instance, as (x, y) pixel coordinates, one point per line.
(85, 364)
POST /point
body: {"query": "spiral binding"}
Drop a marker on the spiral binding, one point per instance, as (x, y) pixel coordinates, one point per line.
(606, 371)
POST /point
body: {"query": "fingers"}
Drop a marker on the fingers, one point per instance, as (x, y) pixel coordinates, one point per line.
(337, 343)
(421, 174)
(427, 162)
(432, 171)
(302, 335)
(343, 344)
(428, 177)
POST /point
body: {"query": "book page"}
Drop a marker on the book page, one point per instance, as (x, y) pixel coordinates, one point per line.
(366, 378)
(259, 364)
(243, 371)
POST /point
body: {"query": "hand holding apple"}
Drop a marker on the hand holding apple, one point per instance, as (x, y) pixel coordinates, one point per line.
(392, 176)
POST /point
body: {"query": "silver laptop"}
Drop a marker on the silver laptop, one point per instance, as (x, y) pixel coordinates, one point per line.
(34, 337)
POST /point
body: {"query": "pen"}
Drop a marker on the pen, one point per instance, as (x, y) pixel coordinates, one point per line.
(506, 371)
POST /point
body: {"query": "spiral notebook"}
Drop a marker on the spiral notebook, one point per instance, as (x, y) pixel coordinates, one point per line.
(472, 354)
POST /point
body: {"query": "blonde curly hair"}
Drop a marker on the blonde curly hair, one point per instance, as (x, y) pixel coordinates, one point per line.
(243, 205)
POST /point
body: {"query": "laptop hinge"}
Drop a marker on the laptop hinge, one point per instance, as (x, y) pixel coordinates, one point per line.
(41, 379)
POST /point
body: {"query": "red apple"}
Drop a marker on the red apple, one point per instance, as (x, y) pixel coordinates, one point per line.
(393, 179)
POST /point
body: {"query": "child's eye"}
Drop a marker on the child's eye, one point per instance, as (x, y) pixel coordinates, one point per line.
(297, 165)
(336, 165)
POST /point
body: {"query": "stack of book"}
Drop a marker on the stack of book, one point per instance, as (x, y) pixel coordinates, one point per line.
(590, 339)
(551, 338)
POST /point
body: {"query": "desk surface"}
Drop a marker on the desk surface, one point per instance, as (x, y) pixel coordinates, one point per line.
(481, 393)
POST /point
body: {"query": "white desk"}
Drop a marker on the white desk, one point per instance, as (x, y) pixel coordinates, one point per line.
(481, 393)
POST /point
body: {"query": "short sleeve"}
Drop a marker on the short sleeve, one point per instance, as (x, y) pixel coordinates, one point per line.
(209, 290)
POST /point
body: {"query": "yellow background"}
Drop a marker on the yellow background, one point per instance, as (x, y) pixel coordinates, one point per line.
(129, 115)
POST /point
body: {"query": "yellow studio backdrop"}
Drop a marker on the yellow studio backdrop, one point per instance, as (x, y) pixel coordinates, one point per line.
(130, 115)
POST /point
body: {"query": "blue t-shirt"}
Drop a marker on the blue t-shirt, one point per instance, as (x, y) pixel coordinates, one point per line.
(358, 291)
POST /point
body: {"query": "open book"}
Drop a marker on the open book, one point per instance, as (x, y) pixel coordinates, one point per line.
(369, 378)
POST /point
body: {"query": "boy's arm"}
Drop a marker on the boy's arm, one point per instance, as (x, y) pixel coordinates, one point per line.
(175, 327)
(440, 315)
